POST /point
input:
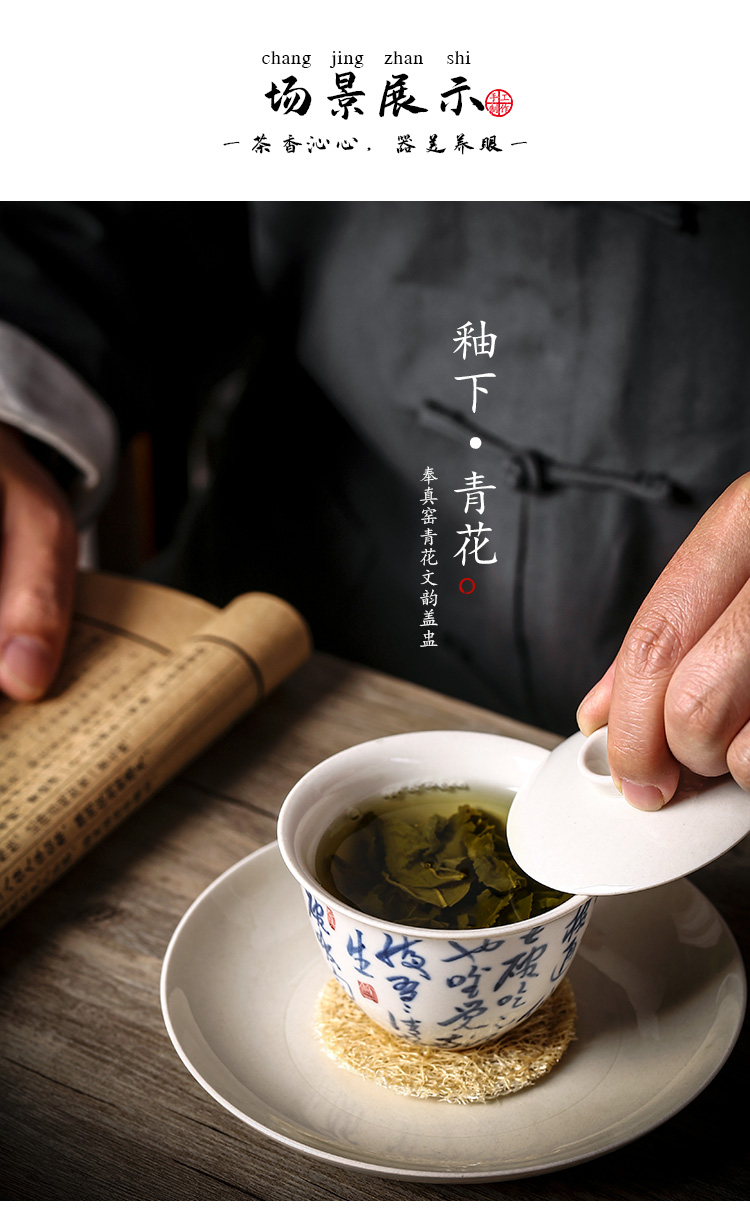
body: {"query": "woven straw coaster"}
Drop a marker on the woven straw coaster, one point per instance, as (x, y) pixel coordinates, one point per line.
(472, 1075)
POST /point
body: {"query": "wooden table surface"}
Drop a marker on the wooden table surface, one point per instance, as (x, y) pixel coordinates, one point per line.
(96, 1104)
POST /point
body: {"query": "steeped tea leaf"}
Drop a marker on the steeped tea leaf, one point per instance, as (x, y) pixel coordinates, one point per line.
(425, 869)
(435, 893)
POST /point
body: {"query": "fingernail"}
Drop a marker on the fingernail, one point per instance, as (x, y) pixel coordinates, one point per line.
(25, 667)
(582, 724)
(643, 796)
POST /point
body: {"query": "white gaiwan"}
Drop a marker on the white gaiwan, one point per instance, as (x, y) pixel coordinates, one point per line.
(570, 828)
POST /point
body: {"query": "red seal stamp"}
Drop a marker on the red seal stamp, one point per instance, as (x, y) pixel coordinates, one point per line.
(498, 102)
(367, 991)
(331, 918)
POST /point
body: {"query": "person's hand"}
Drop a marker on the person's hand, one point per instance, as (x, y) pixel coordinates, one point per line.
(37, 570)
(678, 692)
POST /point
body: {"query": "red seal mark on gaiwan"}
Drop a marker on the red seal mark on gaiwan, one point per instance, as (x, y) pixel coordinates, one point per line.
(331, 918)
(498, 102)
(367, 991)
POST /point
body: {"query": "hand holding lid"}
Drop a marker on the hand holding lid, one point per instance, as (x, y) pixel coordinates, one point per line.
(571, 829)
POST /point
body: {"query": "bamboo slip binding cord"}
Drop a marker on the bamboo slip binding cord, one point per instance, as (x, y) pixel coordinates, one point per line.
(150, 678)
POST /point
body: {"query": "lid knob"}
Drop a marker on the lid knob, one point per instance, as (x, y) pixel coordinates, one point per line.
(593, 763)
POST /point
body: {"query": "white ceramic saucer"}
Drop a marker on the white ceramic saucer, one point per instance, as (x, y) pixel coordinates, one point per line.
(660, 988)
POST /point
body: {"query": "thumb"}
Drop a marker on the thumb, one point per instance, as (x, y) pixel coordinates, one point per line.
(593, 712)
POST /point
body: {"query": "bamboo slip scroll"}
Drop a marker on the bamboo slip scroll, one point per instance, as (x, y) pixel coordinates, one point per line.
(150, 678)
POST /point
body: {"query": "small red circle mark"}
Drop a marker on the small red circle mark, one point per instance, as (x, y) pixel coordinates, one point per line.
(469, 583)
(498, 102)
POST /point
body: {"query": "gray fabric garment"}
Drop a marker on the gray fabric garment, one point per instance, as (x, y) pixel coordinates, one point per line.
(619, 412)
(617, 415)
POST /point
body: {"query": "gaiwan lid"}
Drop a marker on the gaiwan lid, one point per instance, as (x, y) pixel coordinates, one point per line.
(570, 828)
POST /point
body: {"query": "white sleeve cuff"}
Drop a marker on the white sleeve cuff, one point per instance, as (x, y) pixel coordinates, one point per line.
(42, 396)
